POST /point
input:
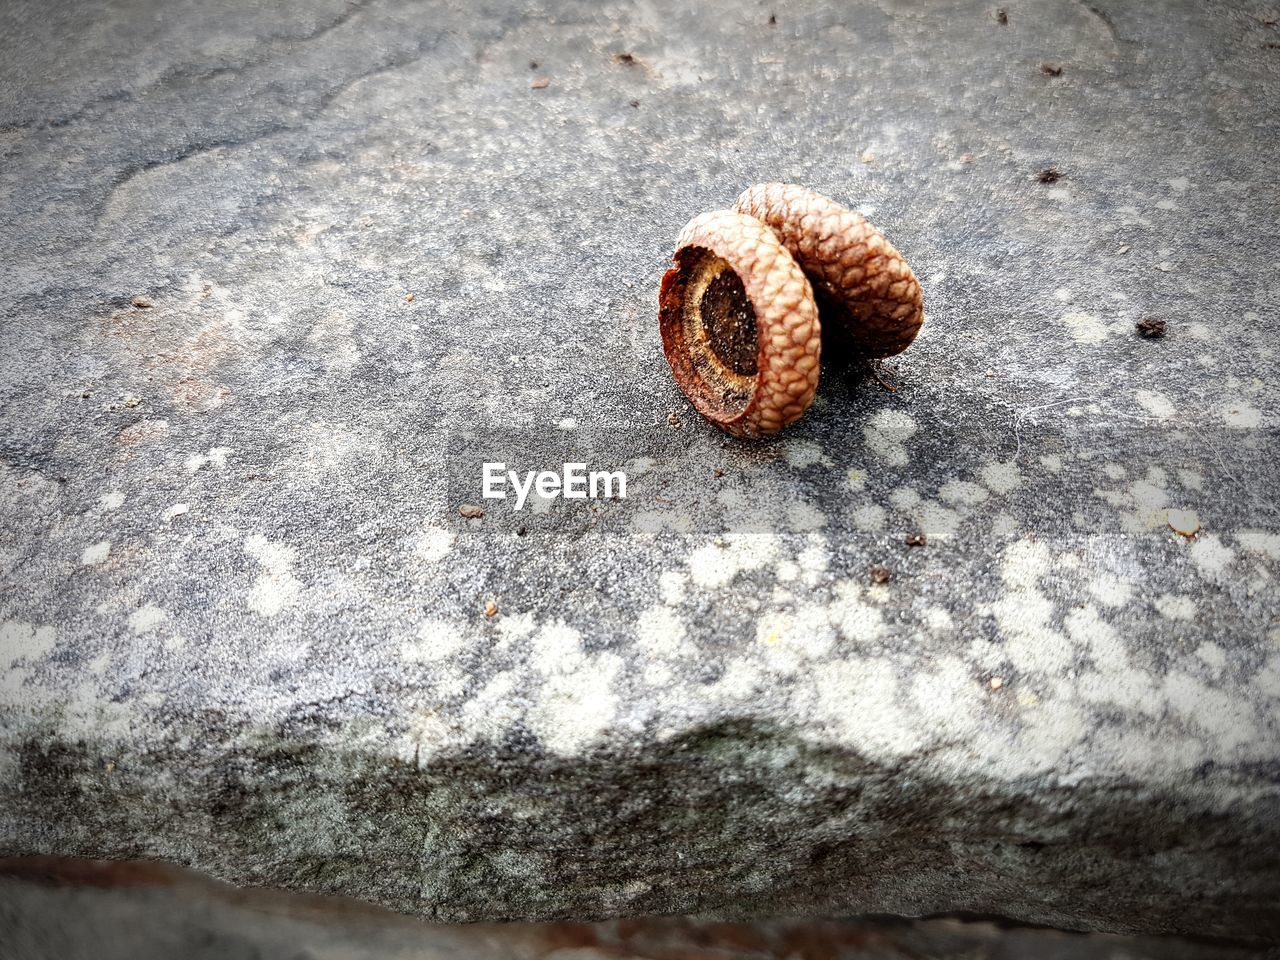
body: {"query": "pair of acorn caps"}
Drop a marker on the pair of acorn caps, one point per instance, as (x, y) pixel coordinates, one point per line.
(752, 290)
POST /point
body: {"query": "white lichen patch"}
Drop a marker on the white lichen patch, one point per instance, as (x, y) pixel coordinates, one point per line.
(575, 708)
(660, 632)
(1176, 606)
(433, 544)
(1025, 615)
(1261, 541)
(803, 517)
(962, 492)
(886, 436)
(1241, 416)
(1211, 555)
(1085, 327)
(804, 453)
(276, 587)
(95, 554)
(214, 457)
(716, 564)
(112, 501)
(557, 649)
(1111, 591)
(671, 585)
(146, 618)
(436, 640)
(20, 640)
(1155, 403)
(1001, 478)
(870, 517)
(856, 477)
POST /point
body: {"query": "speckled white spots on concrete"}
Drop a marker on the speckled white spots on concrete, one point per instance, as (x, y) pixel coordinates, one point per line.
(146, 618)
(1001, 478)
(1111, 591)
(671, 585)
(577, 705)
(276, 587)
(862, 703)
(21, 641)
(1085, 328)
(887, 434)
(962, 492)
(870, 517)
(1155, 403)
(661, 631)
(1211, 555)
(95, 554)
(436, 640)
(804, 453)
(1176, 606)
(215, 457)
(802, 517)
(716, 564)
(1260, 541)
(1240, 416)
(433, 544)
(112, 501)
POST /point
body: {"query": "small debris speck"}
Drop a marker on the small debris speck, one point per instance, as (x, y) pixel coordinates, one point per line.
(143, 303)
(471, 511)
(1051, 69)
(533, 64)
(1151, 327)
(674, 420)
(626, 59)
(995, 683)
(635, 103)
(541, 83)
(915, 540)
(773, 19)
(1002, 17)
(408, 298)
(718, 473)
(521, 531)
(1123, 250)
(491, 608)
(880, 574)
(1049, 175)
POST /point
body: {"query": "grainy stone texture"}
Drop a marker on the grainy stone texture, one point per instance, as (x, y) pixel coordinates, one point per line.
(241, 620)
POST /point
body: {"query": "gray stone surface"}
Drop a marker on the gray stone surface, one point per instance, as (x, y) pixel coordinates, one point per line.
(242, 623)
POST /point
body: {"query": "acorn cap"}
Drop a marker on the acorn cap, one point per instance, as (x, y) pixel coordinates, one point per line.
(740, 325)
(860, 279)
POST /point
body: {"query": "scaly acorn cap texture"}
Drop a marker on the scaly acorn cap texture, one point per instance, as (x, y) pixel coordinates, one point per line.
(740, 321)
(739, 325)
(858, 276)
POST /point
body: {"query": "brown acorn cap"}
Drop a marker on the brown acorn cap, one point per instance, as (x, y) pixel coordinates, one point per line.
(859, 278)
(740, 325)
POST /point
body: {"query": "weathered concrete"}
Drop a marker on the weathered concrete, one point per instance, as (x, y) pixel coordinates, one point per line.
(243, 623)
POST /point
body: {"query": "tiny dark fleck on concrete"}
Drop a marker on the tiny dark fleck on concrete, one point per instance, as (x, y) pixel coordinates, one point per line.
(880, 574)
(1152, 327)
(915, 540)
(1049, 175)
(1051, 69)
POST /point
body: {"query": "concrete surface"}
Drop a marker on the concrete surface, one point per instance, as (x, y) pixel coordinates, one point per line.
(242, 624)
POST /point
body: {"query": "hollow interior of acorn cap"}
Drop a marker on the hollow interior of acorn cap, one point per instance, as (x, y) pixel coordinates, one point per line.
(716, 341)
